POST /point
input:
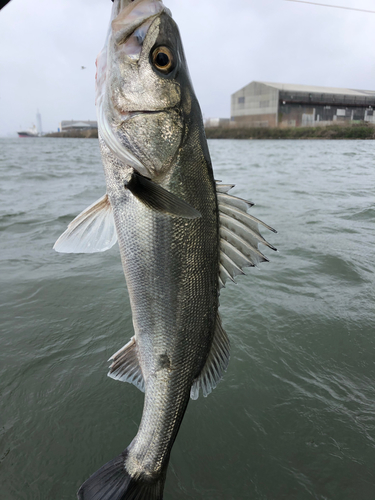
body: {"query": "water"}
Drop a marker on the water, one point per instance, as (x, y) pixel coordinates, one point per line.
(294, 417)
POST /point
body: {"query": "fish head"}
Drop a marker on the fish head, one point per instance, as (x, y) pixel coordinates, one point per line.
(144, 91)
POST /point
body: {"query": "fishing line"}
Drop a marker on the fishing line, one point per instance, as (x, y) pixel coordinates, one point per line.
(333, 6)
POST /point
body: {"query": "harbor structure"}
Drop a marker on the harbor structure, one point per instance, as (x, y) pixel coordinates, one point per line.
(264, 104)
(39, 123)
(71, 125)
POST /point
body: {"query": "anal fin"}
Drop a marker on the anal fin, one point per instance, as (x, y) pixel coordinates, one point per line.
(216, 364)
(125, 365)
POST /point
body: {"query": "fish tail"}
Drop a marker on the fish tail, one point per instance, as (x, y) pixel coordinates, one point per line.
(113, 482)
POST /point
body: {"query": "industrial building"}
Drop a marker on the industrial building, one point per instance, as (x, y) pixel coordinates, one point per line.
(69, 125)
(263, 104)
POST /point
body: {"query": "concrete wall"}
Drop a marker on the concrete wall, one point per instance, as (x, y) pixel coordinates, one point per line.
(217, 122)
(255, 105)
(370, 116)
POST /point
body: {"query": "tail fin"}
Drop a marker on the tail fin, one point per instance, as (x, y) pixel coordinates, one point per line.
(113, 482)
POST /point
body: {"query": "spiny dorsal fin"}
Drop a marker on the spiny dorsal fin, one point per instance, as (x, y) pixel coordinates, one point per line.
(223, 188)
(216, 364)
(125, 365)
(239, 235)
(93, 230)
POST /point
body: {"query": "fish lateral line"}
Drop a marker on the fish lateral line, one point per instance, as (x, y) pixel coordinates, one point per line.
(159, 199)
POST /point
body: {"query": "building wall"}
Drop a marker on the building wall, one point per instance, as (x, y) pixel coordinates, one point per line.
(255, 105)
(217, 122)
(271, 105)
(294, 115)
(315, 108)
(370, 116)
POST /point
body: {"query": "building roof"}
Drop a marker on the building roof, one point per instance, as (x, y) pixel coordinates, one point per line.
(78, 124)
(291, 87)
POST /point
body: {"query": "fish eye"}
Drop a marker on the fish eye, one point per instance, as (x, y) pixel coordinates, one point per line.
(163, 60)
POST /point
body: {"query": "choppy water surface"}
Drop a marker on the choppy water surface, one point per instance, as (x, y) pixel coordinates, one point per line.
(294, 417)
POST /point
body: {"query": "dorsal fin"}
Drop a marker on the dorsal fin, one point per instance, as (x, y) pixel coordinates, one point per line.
(239, 235)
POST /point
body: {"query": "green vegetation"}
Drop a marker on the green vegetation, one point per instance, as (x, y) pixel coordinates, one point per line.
(354, 131)
(76, 134)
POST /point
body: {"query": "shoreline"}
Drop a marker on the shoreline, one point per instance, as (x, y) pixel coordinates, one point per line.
(357, 131)
(75, 134)
(363, 131)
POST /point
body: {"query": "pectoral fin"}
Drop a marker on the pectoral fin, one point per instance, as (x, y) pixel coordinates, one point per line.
(157, 198)
(91, 231)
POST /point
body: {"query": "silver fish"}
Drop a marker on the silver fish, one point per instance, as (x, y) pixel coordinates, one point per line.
(180, 234)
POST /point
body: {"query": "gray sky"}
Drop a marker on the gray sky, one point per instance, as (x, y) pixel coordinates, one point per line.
(228, 43)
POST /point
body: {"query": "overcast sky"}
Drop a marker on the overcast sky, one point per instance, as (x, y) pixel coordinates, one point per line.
(228, 44)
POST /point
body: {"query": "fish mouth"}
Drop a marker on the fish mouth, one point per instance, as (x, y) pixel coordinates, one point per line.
(130, 27)
(128, 16)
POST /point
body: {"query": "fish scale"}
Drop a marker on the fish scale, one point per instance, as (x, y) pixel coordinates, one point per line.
(175, 257)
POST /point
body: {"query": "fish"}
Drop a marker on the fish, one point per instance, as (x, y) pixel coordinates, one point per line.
(181, 236)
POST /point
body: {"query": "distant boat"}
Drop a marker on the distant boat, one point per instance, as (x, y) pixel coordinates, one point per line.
(31, 132)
